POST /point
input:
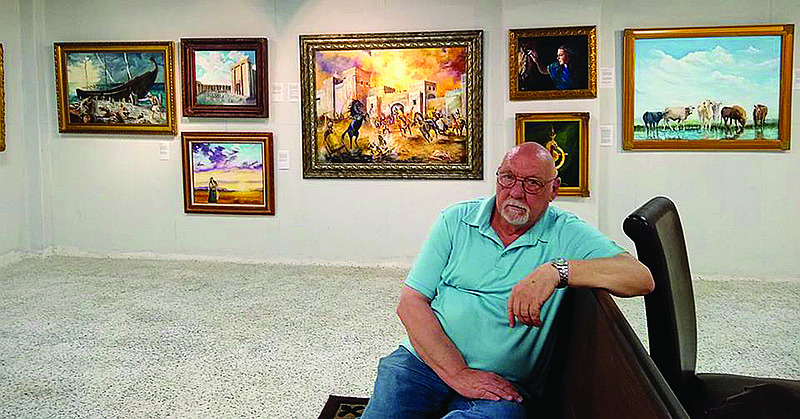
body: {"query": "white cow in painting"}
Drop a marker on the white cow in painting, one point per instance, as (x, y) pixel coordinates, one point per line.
(676, 113)
(705, 111)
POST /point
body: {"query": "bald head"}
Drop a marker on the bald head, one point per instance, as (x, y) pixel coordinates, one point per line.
(527, 154)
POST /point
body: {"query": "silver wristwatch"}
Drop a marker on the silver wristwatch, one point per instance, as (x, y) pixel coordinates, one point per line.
(563, 271)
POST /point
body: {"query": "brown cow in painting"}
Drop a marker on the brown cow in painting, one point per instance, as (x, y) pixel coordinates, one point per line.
(759, 115)
(734, 114)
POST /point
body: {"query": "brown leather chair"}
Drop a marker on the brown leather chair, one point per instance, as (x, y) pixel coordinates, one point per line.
(656, 230)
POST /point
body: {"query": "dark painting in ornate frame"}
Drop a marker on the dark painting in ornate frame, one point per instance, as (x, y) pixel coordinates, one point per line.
(708, 88)
(115, 87)
(2, 103)
(224, 77)
(566, 136)
(392, 105)
(243, 164)
(552, 63)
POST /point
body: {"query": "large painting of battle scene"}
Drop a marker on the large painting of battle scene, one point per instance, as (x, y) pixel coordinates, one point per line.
(386, 105)
(708, 88)
(123, 87)
(228, 173)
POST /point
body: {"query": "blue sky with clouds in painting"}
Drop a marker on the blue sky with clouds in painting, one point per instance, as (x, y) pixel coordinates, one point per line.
(685, 71)
(214, 67)
(227, 156)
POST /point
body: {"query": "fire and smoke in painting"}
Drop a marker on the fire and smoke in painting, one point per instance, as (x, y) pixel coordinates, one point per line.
(391, 105)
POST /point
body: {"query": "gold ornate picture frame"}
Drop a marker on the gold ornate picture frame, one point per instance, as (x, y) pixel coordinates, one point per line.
(2, 103)
(392, 105)
(708, 88)
(566, 136)
(552, 63)
(115, 87)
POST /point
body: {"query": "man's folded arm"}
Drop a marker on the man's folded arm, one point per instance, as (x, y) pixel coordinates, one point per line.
(622, 275)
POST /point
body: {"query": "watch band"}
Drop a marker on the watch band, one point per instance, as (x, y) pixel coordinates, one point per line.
(562, 267)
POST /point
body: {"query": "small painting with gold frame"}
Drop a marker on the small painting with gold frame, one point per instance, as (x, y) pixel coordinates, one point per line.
(115, 87)
(566, 136)
(552, 63)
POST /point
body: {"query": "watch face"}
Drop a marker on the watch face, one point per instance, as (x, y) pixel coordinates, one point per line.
(563, 272)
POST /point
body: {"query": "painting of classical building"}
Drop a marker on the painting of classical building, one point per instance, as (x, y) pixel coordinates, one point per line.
(225, 77)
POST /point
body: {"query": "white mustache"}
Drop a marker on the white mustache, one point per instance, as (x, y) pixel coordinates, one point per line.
(517, 203)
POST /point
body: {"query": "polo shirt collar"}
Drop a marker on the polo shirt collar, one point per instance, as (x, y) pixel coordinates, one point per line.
(480, 217)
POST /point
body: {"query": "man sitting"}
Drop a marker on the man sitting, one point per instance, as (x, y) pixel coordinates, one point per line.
(478, 320)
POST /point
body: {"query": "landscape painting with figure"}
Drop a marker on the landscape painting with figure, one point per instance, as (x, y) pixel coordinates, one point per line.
(391, 105)
(226, 77)
(707, 88)
(116, 88)
(228, 173)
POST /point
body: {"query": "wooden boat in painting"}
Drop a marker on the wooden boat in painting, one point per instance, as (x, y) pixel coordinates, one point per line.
(138, 86)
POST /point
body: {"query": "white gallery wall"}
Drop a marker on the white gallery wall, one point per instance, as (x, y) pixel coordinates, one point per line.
(112, 194)
(13, 229)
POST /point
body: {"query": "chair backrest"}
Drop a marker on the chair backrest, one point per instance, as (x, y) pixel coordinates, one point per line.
(655, 229)
(599, 368)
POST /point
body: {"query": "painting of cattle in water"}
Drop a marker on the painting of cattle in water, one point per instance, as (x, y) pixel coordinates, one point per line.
(228, 173)
(224, 77)
(122, 87)
(708, 88)
(405, 105)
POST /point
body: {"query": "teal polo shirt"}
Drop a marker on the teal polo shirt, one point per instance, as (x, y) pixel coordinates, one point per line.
(468, 274)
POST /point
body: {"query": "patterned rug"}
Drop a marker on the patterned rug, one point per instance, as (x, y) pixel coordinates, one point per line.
(340, 407)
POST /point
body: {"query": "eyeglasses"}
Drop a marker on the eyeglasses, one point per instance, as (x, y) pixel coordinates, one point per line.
(530, 185)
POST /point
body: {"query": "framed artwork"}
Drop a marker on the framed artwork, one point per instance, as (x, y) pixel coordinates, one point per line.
(552, 63)
(392, 105)
(566, 136)
(224, 77)
(2, 103)
(708, 88)
(228, 173)
(115, 87)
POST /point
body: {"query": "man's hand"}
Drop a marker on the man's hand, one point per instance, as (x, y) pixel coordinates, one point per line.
(529, 295)
(477, 384)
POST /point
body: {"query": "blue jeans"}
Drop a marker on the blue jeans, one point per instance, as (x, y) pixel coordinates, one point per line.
(407, 388)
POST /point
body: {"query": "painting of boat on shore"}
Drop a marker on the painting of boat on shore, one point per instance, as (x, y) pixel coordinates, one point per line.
(404, 110)
(708, 88)
(121, 87)
(228, 173)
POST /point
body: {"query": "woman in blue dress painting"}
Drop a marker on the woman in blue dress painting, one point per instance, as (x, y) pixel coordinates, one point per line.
(213, 193)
